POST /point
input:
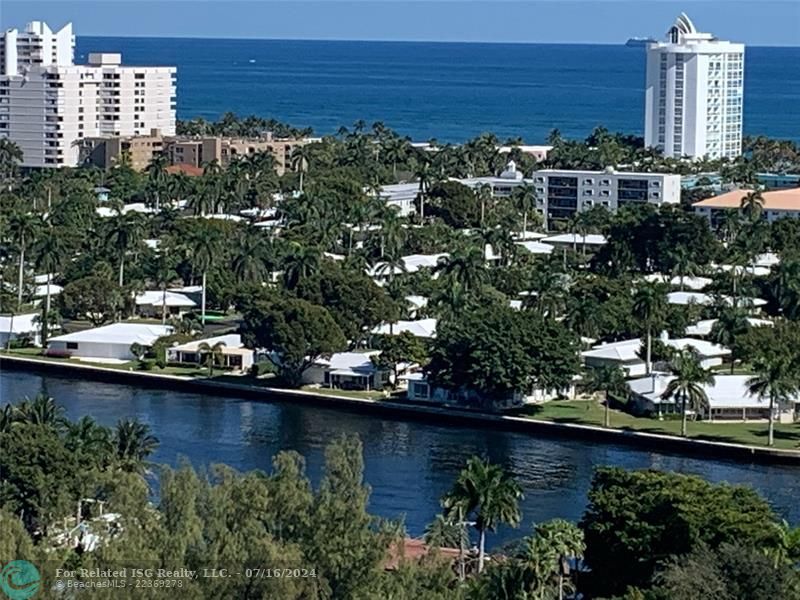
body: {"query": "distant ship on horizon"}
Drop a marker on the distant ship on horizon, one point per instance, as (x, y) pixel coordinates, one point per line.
(639, 42)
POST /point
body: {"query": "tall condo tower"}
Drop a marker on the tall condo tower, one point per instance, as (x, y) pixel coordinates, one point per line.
(694, 93)
(48, 104)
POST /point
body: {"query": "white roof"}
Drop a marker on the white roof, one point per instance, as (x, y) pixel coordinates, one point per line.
(231, 340)
(350, 362)
(750, 270)
(158, 298)
(685, 298)
(424, 328)
(118, 333)
(139, 207)
(40, 291)
(528, 235)
(19, 323)
(43, 278)
(628, 350)
(187, 289)
(223, 217)
(727, 391)
(417, 301)
(704, 327)
(412, 262)
(592, 239)
(535, 247)
(692, 283)
(768, 259)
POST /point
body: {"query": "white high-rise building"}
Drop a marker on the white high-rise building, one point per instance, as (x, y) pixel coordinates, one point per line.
(694, 94)
(48, 104)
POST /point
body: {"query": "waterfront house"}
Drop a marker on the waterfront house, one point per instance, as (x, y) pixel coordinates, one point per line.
(728, 400)
(151, 302)
(694, 284)
(233, 354)
(110, 343)
(701, 299)
(420, 390)
(20, 328)
(628, 354)
(347, 370)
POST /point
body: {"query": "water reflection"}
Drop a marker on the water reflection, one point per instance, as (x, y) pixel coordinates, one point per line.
(408, 464)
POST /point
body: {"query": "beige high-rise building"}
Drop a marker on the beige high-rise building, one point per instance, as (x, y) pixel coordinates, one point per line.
(48, 104)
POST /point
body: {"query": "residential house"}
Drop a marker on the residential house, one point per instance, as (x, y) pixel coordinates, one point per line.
(421, 328)
(347, 370)
(110, 343)
(728, 400)
(150, 303)
(233, 354)
(20, 328)
(627, 354)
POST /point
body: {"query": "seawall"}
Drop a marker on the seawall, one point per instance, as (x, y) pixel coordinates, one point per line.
(443, 415)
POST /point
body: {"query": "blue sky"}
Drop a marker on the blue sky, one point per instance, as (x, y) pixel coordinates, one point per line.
(756, 22)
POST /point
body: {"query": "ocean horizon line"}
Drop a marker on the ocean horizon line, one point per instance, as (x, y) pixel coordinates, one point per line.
(380, 41)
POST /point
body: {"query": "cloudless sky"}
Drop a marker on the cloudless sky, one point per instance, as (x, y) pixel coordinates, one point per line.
(756, 22)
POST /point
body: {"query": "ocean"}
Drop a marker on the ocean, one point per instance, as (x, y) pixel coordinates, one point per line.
(447, 91)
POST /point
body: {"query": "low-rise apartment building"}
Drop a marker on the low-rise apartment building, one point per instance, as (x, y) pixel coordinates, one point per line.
(777, 204)
(202, 150)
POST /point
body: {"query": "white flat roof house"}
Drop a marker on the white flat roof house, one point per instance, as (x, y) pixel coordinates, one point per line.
(234, 354)
(687, 298)
(110, 342)
(422, 328)
(15, 327)
(625, 354)
(150, 303)
(535, 247)
(728, 399)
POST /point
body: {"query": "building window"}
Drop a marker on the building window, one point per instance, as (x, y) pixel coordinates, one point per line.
(72, 345)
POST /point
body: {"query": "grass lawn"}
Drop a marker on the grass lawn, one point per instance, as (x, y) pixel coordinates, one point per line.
(591, 413)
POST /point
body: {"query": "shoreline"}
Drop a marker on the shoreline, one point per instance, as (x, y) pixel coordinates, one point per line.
(530, 426)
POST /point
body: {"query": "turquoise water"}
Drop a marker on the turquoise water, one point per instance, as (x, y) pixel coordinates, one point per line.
(449, 91)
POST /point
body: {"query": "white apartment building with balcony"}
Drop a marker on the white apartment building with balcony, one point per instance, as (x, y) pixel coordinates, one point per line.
(694, 94)
(48, 103)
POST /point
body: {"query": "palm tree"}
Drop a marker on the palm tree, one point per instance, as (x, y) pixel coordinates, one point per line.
(609, 380)
(554, 545)
(204, 243)
(683, 265)
(731, 323)
(300, 160)
(776, 378)
(22, 227)
(132, 444)
(524, 199)
(125, 233)
(252, 257)
(42, 410)
(486, 493)
(211, 355)
(50, 256)
(649, 307)
(88, 437)
(465, 267)
(301, 263)
(163, 275)
(686, 385)
(752, 205)
(423, 175)
(157, 176)
(395, 150)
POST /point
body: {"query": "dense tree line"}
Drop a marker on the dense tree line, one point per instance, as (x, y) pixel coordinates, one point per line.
(644, 534)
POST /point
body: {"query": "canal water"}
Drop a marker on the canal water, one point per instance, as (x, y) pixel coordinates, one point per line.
(409, 464)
